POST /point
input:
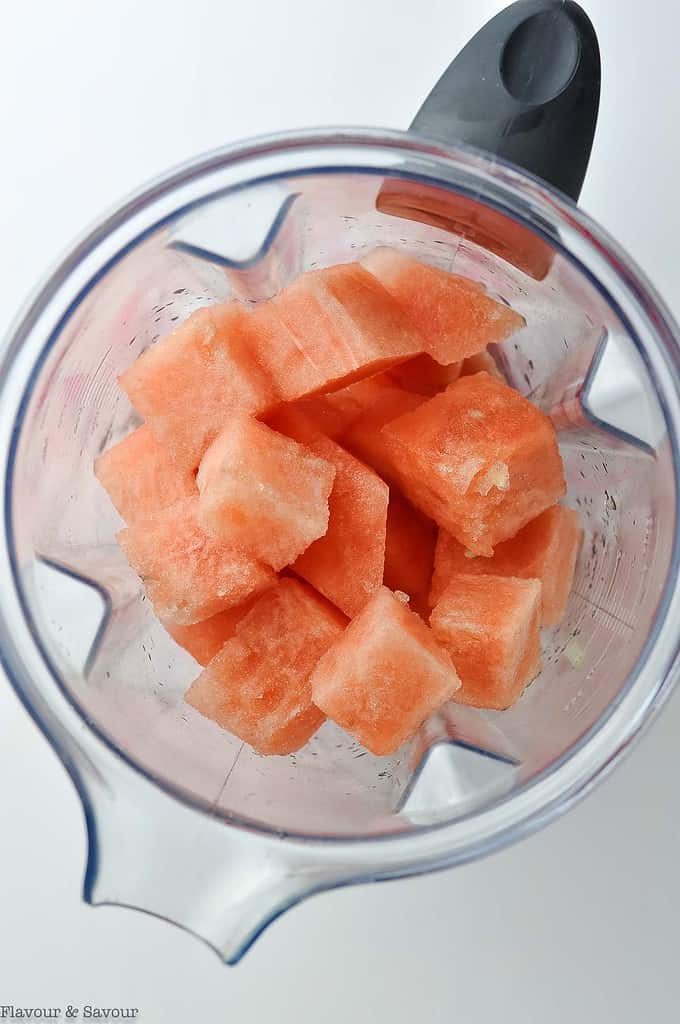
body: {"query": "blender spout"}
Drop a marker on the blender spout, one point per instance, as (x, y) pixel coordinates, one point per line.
(150, 852)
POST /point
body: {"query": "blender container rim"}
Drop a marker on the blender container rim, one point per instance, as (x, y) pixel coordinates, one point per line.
(538, 207)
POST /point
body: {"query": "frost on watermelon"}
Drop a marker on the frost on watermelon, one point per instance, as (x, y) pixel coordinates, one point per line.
(479, 459)
(384, 675)
(545, 549)
(329, 328)
(257, 686)
(409, 552)
(141, 477)
(187, 385)
(204, 639)
(346, 565)
(263, 491)
(454, 315)
(364, 437)
(490, 626)
(189, 576)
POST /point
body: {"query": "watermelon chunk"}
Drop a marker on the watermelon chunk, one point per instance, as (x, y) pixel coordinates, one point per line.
(409, 552)
(187, 385)
(384, 675)
(346, 565)
(364, 436)
(263, 491)
(141, 476)
(545, 549)
(483, 362)
(189, 576)
(424, 376)
(204, 639)
(258, 686)
(453, 314)
(329, 328)
(490, 626)
(334, 413)
(479, 459)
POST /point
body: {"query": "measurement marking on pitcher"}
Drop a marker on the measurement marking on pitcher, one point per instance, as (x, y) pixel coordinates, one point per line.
(605, 611)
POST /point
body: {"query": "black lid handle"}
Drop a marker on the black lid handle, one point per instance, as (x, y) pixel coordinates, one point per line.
(526, 88)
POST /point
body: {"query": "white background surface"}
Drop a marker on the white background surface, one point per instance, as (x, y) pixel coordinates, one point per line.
(578, 922)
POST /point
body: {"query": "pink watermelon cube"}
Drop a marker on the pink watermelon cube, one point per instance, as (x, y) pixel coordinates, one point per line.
(453, 314)
(490, 626)
(409, 552)
(479, 459)
(334, 413)
(425, 376)
(263, 491)
(257, 686)
(329, 328)
(545, 549)
(382, 678)
(346, 565)
(189, 576)
(483, 362)
(204, 639)
(141, 476)
(188, 384)
(364, 437)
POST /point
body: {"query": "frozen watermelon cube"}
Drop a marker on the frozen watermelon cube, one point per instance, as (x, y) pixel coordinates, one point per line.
(141, 476)
(189, 576)
(334, 413)
(483, 362)
(346, 565)
(409, 552)
(424, 375)
(490, 626)
(453, 314)
(545, 549)
(263, 491)
(329, 328)
(364, 436)
(453, 559)
(188, 384)
(383, 677)
(204, 639)
(479, 459)
(257, 686)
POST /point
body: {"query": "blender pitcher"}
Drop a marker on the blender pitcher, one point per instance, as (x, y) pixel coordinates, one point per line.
(184, 821)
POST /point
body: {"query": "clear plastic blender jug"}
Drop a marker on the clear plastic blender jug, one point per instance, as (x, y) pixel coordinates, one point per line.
(184, 821)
